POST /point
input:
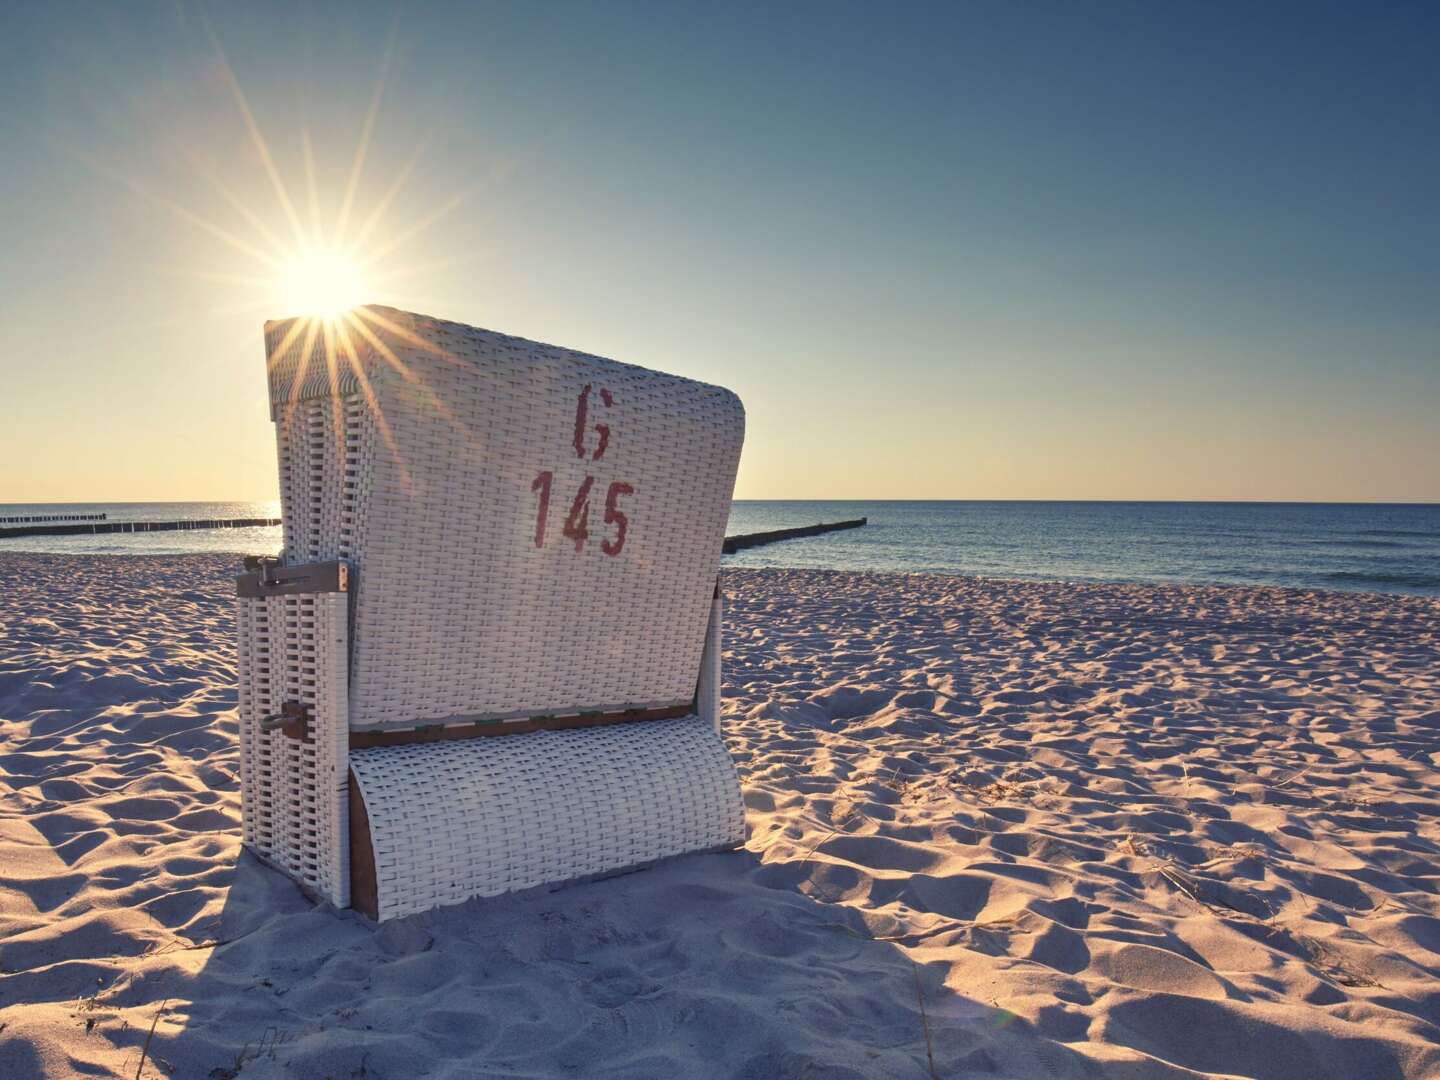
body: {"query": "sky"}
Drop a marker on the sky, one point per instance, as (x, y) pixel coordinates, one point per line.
(960, 251)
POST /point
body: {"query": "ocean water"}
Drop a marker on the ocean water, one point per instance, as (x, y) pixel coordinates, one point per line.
(1374, 548)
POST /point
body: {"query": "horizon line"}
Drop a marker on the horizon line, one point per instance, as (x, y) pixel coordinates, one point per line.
(814, 499)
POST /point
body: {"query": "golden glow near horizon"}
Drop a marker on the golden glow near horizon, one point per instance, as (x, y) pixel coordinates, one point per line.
(320, 282)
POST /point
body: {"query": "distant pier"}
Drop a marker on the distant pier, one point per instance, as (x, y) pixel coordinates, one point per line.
(760, 539)
(95, 525)
(37, 519)
(136, 527)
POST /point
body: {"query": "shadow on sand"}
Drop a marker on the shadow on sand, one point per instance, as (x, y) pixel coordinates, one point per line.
(706, 965)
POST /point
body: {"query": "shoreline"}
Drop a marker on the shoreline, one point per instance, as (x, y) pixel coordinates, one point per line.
(1024, 827)
(1382, 548)
(725, 569)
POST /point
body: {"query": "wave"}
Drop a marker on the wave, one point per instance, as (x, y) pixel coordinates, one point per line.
(1411, 579)
(1423, 533)
(1359, 543)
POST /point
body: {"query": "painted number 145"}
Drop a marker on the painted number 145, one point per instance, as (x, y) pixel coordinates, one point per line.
(577, 522)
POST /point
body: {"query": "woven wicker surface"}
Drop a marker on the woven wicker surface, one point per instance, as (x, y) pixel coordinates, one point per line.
(293, 792)
(485, 816)
(479, 482)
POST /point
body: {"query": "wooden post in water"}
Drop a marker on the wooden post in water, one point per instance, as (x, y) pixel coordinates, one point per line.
(131, 526)
(750, 540)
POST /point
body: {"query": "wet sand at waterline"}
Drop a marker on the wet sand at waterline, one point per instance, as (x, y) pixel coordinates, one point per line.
(996, 828)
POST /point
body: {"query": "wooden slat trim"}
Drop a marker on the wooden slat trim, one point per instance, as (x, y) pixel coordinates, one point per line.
(364, 884)
(361, 740)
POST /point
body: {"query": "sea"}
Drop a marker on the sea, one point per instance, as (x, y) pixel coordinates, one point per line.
(1391, 548)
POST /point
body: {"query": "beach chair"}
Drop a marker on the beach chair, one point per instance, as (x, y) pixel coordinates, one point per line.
(488, 657)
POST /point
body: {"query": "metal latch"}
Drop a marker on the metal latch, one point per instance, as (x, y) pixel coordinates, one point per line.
(269, 577)
(293, 720)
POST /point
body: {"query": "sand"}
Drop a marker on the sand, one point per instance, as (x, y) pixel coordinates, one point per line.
(996, 829)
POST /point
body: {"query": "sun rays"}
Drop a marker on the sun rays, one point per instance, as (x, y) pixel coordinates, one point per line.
(309, 236)
(322, 272)
(323, 269)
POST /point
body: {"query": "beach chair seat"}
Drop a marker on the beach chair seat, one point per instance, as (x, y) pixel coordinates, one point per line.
(488, 657)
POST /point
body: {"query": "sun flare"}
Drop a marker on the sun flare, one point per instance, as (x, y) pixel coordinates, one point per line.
(320, 282)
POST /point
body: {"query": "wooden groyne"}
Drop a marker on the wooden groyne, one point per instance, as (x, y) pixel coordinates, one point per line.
(37, 519)
(750, 540)
(99, 528)
(135, 527)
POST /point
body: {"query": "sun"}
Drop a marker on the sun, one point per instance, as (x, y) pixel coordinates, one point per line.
(325, 257)
(320, 282)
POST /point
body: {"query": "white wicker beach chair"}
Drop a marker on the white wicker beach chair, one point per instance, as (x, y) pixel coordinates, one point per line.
(489, 655)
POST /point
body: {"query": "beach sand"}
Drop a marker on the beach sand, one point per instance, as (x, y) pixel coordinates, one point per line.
(996, 829)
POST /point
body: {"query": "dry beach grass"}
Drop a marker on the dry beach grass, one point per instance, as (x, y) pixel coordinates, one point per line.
(996, 829)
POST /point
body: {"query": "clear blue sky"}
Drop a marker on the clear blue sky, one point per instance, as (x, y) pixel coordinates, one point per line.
(1005, 250)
